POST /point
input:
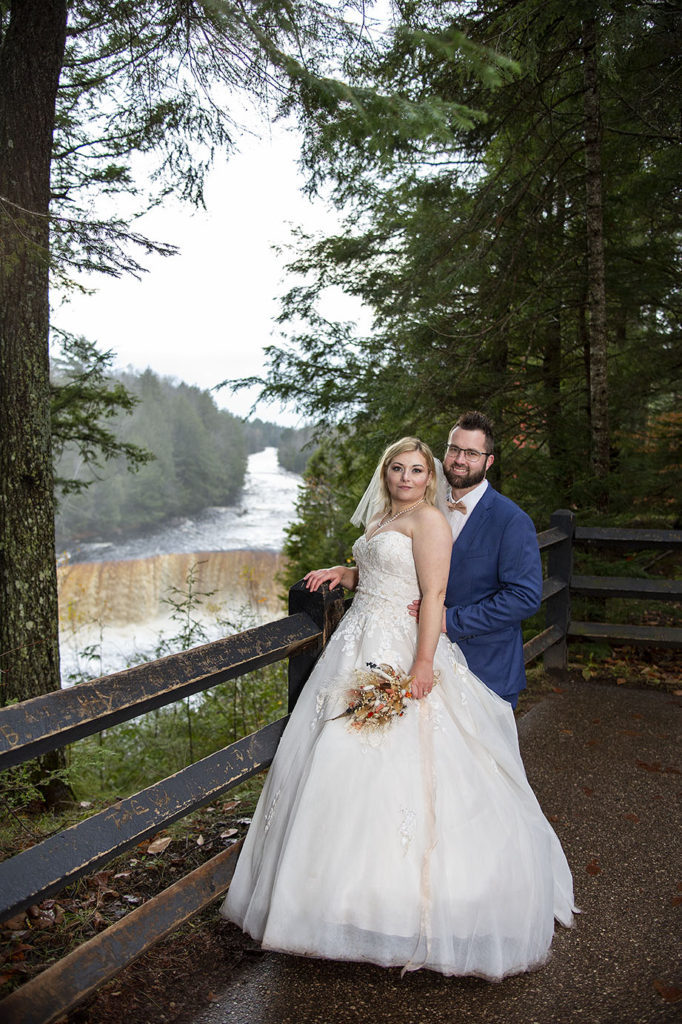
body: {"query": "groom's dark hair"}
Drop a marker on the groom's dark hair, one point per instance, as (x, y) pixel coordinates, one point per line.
(475, 420)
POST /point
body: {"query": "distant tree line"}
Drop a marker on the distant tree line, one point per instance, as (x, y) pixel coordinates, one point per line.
(294, 448)
(187, 455)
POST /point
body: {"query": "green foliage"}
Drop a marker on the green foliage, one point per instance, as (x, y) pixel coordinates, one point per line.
(470, 252)
(199, 460)
(136, 754)
(155, 80)
(259, 434)
(322, 533)
(294, 448)
(84, 397)
(194, 454)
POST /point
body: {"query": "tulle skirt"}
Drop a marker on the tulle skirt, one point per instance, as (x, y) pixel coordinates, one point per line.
(416, 844)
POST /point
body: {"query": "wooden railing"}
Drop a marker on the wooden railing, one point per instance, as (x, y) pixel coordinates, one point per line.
(561, 584)
(51, 721)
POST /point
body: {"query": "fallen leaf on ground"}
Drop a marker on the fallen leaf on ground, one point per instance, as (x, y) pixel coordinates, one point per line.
(593, 867)
(159, 845)
(16, 923)
(99, 880)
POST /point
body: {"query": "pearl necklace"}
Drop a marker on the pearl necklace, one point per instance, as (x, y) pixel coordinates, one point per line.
(385, 521)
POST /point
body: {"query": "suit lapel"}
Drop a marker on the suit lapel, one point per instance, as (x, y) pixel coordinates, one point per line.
(476, 523)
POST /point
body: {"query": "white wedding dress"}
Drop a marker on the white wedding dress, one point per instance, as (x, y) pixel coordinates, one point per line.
(417, 844)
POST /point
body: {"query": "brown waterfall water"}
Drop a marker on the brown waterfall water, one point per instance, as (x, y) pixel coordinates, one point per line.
(113, 614)
(121, 593)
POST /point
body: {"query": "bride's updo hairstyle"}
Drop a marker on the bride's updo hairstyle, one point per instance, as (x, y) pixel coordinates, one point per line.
(408, 444)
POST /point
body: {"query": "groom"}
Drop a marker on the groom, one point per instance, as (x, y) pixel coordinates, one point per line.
(495, 573)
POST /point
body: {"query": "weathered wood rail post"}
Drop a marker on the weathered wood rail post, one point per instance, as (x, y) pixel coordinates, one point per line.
(560, 567)
(325, 607)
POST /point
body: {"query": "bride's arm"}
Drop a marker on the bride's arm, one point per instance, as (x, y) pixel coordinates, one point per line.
(338, 575)
(431, 547)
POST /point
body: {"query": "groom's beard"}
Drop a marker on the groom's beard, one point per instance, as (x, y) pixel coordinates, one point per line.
(461, 481)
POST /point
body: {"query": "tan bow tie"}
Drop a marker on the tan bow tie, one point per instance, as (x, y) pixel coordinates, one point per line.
(457, 506)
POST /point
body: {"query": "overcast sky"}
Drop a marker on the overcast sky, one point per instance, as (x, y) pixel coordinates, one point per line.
(206, 314)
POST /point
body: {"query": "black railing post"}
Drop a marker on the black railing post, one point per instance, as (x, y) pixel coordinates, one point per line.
(560, 566)
(325, 607)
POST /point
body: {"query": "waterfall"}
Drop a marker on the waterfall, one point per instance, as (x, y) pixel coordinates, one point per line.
(114, 604)
(130, 591)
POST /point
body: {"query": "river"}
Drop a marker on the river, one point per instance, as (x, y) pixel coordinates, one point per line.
(113, 594)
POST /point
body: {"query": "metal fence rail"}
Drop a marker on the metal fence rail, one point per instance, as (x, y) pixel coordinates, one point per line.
(54, 720)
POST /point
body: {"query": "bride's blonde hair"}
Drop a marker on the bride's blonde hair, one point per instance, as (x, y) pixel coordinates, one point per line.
(408, 444)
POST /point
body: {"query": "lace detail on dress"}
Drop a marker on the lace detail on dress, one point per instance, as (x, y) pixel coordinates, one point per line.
(388, 583)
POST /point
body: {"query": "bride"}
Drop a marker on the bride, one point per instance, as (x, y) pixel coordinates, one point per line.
(396, 825)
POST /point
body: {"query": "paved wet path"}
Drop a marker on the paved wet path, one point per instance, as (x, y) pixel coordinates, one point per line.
(604, 762)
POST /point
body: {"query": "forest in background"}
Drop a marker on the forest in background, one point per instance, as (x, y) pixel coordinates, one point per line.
(199, 460)
(524, 261)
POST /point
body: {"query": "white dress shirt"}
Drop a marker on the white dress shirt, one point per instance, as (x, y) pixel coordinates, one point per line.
(471, 499)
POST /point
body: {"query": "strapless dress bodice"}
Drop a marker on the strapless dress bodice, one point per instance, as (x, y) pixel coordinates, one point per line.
(386, 569)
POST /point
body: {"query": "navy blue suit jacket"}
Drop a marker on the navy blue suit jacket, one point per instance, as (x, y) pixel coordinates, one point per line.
(495, 582)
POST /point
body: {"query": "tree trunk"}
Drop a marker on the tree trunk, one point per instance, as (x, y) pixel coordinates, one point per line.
(551, 385)
(498, 402)
(596, 297)
(553, 372)
(31, 58)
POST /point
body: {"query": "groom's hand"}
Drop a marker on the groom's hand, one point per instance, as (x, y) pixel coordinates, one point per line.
(413, 609)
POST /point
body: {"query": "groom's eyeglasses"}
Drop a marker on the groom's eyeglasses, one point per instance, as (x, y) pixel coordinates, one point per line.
(470, 454)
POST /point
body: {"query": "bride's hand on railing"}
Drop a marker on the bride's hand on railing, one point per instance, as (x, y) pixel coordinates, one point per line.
(336, 576)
